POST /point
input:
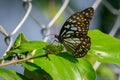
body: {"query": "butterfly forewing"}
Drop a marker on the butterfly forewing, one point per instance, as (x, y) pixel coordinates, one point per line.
(77, 24)
(73, 34)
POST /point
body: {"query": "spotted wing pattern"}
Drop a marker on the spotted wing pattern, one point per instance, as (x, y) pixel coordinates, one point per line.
(73, 34)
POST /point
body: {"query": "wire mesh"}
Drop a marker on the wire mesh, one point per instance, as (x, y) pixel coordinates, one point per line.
(46, 28)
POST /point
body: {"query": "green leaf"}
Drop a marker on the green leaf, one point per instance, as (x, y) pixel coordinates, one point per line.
(106, 72)
(32, 45)
(11, 75)
(29, 46)
(104, 47)
(36, 72)
(24, 49)
(19, 40)
(61, 67)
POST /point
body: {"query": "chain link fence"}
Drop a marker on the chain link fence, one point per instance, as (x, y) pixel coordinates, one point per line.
(46, 29)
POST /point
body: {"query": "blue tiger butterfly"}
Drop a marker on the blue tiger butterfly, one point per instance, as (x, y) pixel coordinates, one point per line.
(73, 34)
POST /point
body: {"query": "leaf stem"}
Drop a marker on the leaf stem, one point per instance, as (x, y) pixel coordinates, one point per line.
(22, 60)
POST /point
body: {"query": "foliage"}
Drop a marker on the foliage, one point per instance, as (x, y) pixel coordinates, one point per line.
(105, 72)
(61, 65)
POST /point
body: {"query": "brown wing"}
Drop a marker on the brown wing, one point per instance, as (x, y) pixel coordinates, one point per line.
(77, 24)
(77, 46)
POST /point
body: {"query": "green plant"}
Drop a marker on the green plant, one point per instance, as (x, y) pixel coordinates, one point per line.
(59, 65)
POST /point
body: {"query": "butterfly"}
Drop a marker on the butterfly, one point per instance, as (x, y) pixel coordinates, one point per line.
(73, 34)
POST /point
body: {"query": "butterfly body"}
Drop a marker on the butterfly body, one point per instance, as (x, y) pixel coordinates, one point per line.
(73, 34)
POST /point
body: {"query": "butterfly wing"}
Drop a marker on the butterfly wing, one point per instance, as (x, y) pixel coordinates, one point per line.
(83, 47)
(77, 24)
(78, 46)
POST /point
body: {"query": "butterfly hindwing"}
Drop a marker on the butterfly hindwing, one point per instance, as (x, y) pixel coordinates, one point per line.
(83, 47)
(78, 46)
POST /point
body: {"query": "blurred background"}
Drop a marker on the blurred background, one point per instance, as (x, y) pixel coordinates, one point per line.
(106, 19)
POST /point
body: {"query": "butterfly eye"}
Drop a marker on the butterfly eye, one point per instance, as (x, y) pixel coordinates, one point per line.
(73, 34)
